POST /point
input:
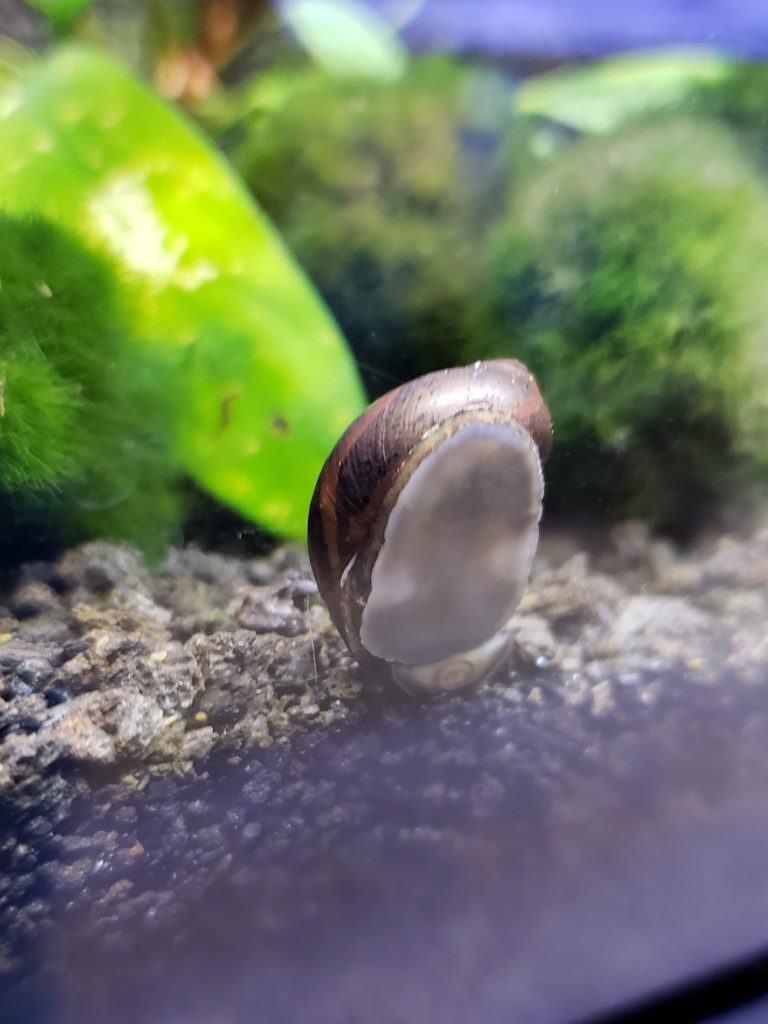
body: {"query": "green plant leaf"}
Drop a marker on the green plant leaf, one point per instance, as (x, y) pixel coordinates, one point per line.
(263, 381)
(599, 97)
(346, 37)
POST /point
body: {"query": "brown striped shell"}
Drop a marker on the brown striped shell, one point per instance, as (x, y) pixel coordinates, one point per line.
(446, 429)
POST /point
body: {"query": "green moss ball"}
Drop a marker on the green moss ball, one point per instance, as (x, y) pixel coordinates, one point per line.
(84, 426)
(384, 192)
(630, 276)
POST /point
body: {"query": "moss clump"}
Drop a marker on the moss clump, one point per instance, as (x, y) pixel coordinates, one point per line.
(384, 191)
(740, 100)
(630, 277)
(84, 423)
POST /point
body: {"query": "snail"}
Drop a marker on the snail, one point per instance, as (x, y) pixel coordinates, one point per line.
(425, 521)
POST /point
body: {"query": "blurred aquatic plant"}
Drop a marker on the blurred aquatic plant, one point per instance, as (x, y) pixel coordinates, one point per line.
(186, 45)
(630, 276)
(346, 37)
(84, 434)
(384, 191)
(600, 96)
(258, 374)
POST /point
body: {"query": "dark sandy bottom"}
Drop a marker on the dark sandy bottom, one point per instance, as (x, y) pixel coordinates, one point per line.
(206, 816)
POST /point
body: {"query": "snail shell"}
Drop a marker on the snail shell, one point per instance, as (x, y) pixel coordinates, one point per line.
(425, 519)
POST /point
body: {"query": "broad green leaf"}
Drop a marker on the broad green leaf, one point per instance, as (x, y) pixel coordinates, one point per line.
(262, 378)
(599, 97)
(346, 37)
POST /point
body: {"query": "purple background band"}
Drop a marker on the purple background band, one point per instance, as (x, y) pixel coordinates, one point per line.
(571, 28)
